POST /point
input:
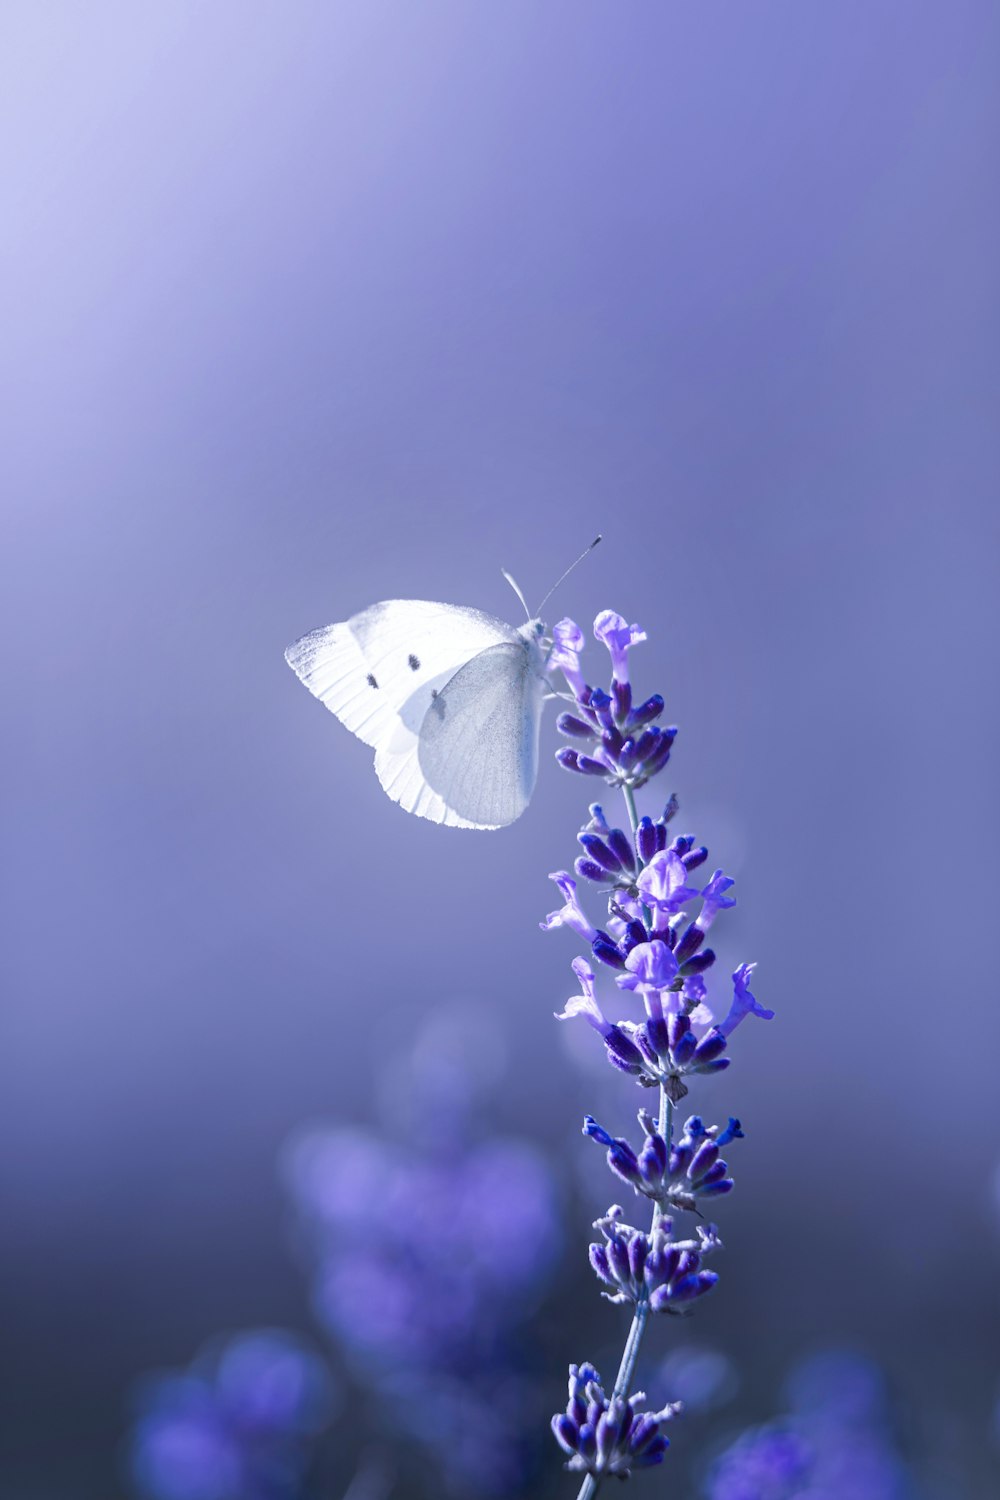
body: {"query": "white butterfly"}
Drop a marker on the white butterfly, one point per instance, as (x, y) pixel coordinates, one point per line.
(450, 698)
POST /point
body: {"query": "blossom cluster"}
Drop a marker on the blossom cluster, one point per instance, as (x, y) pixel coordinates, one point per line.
(609, 1436)
(613, 739)
(653, 939)
(652, 1268)
(676, 1175)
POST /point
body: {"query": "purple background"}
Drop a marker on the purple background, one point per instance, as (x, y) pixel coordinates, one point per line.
(310, 305)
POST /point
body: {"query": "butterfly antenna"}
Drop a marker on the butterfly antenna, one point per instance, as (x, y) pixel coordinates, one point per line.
(517, 591)
(585, 553)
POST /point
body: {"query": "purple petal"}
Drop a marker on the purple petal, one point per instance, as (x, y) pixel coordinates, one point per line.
(745, 1002)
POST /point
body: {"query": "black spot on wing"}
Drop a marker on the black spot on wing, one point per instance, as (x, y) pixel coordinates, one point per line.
(370, 679)
(414, 662)
(438, 703)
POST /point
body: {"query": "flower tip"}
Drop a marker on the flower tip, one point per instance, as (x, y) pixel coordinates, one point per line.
(592, 1128)
(566, 632)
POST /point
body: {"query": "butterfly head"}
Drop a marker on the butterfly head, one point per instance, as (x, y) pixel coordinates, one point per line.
(535, 637)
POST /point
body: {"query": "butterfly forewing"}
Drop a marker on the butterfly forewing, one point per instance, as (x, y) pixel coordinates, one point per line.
(377, 671)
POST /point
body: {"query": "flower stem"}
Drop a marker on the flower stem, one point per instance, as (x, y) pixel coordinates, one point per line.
(630, 1354)
(633, 815)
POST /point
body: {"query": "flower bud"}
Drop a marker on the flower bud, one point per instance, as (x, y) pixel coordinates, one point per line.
(570, 724)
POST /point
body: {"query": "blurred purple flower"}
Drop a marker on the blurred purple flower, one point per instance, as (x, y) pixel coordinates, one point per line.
(407, 1249)
(766, 1463)
(703, 1378)
(235, 1426)
(835, 1444)
(425, 1266)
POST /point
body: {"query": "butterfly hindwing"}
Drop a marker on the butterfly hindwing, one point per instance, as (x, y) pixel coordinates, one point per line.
(478, 746)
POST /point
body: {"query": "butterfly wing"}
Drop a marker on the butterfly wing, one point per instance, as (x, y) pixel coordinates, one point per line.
(477, 752)
(382, 665)
(379, 672)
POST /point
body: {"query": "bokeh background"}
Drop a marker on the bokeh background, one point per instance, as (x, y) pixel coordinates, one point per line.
(315, 304)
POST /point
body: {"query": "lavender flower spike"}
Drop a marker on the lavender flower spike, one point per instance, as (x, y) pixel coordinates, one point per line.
(656, 946)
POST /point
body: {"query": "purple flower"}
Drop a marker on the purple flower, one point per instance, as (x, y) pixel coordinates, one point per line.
(605, 1436)
(609, 853)
(714, 899)
(625, 910)
(662, 883)
(571, 914)
(567, 643)
(622, 1050)
(614, 740)
(428, 1246)
(651, 966)
(618, 636)
(673, 1177)
(651, 969)
(235, 1425)
(767, 1461)
(744, 1003)
(652, 1268)
(585, 1004)
(658, 950)
(481, 1217)
(621, 1158)
(695, 998)
(598, 764)
(835, 1443)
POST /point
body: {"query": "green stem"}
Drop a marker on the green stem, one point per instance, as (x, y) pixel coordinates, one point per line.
(630, 1354)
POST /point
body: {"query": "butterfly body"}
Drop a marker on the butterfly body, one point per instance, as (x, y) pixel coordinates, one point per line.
(450, 698)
